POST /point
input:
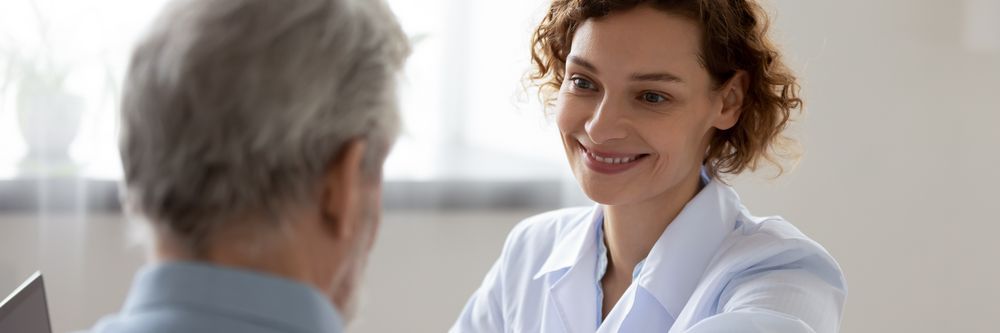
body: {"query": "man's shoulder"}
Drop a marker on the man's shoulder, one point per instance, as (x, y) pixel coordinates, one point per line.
(173, 318)
(205, 297)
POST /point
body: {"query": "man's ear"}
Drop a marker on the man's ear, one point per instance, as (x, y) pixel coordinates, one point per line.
(733, 95)
(341, 193)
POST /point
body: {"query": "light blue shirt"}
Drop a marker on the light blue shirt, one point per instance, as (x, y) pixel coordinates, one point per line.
(716, 268)
(202, 298)
(602, 268)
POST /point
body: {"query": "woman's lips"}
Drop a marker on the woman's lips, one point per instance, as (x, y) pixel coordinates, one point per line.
(609, 162)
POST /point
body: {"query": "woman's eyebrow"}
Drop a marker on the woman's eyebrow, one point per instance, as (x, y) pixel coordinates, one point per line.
(583, 63)
(661, 76)
(666, 77)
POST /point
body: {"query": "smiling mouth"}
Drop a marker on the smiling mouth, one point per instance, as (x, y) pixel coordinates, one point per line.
(605, 162)
(613, 160)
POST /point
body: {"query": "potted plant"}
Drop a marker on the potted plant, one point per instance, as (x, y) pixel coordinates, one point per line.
(48, 113)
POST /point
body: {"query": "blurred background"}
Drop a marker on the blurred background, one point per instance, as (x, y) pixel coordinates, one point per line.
(899, 179)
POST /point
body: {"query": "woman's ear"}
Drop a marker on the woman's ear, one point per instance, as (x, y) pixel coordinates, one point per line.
(733, 95)
(342, 190)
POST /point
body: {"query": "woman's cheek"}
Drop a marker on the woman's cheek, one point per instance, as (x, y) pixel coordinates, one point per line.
(566, 115)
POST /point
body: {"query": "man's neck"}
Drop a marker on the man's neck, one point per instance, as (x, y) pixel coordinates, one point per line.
(248, 250)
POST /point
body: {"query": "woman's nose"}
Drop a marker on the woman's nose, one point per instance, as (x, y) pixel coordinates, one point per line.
(607, 123)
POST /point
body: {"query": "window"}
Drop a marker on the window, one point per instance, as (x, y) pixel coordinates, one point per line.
(472, 127)
(467, 113)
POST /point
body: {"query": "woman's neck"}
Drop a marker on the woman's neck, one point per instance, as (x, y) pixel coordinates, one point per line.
(631, 230)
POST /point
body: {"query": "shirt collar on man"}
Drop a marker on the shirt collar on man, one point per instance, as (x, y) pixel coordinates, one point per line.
(236, 293)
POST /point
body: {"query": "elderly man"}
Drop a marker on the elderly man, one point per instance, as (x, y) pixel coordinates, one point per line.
(254, 133)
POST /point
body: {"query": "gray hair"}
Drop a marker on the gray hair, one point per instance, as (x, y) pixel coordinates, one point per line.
(237, 107)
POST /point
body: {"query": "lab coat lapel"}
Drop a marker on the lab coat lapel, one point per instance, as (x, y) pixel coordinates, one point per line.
(676, 263)
(571, 303)
(637, 311)
(574, 297)
(678, 260)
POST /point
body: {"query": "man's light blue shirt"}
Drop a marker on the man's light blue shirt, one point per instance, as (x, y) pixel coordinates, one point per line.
(199, 297)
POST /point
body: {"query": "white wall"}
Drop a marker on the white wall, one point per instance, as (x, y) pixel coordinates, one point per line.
(901, 173)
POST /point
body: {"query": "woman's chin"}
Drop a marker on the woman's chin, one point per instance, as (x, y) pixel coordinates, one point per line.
(597, 188)
(603, 193)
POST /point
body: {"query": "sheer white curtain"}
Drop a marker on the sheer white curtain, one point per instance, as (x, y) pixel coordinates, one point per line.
(79, 50)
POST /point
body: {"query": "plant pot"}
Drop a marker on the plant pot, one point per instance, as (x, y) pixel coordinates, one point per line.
(49, 120)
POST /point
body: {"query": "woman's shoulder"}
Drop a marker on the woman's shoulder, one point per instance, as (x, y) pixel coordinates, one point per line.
(771, 232)
(767, 229)
(767, 264)
(759, 244)
(536, 236)
(553, 222)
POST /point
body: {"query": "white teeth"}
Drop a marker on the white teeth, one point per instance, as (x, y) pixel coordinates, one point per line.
(613, 160)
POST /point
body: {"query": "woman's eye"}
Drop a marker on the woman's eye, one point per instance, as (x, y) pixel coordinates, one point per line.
(582, 83)
(653, 98)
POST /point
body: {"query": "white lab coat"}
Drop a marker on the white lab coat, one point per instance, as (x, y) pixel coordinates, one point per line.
(715, 269)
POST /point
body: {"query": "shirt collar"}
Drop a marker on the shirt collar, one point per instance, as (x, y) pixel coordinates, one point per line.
(233, 292)
(679, 257)
(574, 244)
(602, 250)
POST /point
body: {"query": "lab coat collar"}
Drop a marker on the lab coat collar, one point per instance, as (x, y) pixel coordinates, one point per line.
(676, 262)
(569, 271)
(680, 256)
(578, 242)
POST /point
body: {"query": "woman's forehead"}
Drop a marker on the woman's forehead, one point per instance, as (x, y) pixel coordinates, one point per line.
(638, 40)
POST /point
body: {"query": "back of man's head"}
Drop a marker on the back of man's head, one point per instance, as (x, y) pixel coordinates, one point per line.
(237, 108)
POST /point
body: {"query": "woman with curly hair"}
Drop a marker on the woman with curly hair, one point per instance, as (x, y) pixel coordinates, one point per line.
(656, 102)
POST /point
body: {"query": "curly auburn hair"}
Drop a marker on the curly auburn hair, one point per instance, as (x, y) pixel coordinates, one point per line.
(734, 38)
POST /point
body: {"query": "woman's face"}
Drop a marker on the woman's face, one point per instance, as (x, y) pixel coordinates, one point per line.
(637, 109)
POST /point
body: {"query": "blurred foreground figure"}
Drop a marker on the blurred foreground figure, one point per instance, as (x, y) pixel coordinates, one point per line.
(254, 133)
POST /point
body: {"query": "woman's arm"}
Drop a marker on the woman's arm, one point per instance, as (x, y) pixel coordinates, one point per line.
(798, 297)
